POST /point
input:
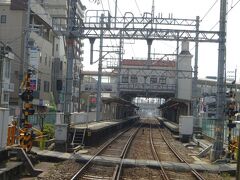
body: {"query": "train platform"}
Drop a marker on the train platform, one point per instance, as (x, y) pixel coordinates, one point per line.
(9, 170)
(90, 134)
(173, 127)
(200, 166)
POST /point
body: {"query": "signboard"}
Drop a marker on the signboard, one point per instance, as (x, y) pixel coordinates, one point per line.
(33, 84)
(34, 58)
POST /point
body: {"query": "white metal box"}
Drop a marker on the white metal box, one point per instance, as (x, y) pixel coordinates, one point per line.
(61, 132)
(4, 119)
(186, 125)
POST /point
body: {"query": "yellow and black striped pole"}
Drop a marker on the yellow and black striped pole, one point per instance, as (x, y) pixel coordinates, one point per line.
(26, 134)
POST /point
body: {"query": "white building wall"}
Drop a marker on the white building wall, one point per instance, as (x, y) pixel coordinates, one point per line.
(184, 90)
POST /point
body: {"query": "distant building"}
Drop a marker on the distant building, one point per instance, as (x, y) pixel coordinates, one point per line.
(12, 30)
(58, 11)
(157, 78)
(6, 56)
(46, 50)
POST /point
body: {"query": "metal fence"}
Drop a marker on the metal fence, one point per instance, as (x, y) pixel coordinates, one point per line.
(48, 118)
(208, 127)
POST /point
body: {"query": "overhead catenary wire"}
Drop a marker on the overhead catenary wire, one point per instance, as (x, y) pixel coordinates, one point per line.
(138, 7)
(209, 10)
(231, 8)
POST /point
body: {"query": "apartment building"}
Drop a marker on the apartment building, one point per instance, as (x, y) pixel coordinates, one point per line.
(12, 32)
(58, 9)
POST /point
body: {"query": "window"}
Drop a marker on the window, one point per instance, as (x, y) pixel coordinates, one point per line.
(61, 66)
(49, 62)
(153, 80)
(134, 79)
(45, 60)
(16, 74)
(39, 85)
(40, 59)
(3, 19)
(46, 86)
(59, 85)
(162, 80)
(7, 69)
(5, 97)
(125, 79)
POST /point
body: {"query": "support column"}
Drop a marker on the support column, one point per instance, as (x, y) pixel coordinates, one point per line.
(119, 65)
(92, 40)
(217, 149)
(195, 79)
(177, 67)
(99, 83)
(149, 43)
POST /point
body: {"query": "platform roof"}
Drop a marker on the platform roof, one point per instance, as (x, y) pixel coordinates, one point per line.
(171, 102)
(118, 101)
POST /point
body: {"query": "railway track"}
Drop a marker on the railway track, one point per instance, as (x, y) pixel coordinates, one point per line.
(175, 152)
(115, 147)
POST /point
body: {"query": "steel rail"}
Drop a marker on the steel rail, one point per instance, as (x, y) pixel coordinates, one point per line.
(153, 149)
(102, 148)
(176, 153)
(118, 168)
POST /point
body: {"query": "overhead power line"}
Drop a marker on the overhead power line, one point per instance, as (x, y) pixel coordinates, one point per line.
(209, 10)
(232, 6)
(138, 7)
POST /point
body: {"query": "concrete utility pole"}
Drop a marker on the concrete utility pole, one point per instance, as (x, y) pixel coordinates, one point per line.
(221, 87)
(99, 83)
(195, 78)
(72, 4)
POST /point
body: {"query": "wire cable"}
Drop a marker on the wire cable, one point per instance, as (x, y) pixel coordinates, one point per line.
(209, 10)
(138, 7)
(19, 60)
(109, 7)
(232, 6)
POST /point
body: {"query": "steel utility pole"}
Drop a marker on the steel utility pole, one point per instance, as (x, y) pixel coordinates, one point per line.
(119, 64)
(116, 12)
(195, 78)
(99, 83)
(72, 4)
(221, 87)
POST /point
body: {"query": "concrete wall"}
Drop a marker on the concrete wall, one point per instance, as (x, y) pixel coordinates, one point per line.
(184, 64)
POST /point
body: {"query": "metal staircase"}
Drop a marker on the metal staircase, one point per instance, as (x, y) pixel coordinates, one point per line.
(78, 137)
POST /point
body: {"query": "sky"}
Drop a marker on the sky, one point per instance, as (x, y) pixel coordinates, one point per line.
(208, 10)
